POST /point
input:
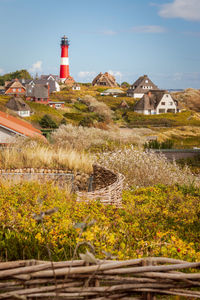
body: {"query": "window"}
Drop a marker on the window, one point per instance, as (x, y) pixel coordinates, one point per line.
(57, 105)
(171, 103)
(162, 103)
(146, 81)
(14, 90)
(19, 90)
(161, 111)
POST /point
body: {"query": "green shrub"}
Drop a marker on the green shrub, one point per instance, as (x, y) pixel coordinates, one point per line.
(155, 144)
(47, 122)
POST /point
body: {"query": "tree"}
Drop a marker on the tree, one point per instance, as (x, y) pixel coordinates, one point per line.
(17, 74)
(47, 122)
(125, 84)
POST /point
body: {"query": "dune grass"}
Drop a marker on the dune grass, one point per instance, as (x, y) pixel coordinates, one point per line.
(44, 156)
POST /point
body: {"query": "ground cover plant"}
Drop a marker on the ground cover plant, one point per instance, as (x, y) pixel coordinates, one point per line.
(185, 118)
(153, 221)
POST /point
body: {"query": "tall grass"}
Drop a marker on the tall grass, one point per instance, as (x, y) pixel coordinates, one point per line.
(83, 138)
(44, 156)
(143, 169)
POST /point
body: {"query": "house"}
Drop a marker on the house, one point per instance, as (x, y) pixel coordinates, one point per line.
(45, 80)
(19, 106)
(38, 93)
(14, 87)
(76, 87)
(10, 127)
(50, 77)
(157, 102)
(56, 104)
(112, 92)
(69, 81)
(105, 79)
(142, 85)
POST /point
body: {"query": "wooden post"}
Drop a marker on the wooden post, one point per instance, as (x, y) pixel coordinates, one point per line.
(148, 295)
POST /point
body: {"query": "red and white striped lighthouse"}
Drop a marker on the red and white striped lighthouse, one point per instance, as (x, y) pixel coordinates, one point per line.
(64, 64)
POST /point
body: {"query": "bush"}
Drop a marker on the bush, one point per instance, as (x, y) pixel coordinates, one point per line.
(154, 144)
(155, 221)
(47, 122)
(146, 168)
(86, 122)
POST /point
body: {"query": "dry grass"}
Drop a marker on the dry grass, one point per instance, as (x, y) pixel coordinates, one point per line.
(34, 155)
(180, 132)
(146, 168)
(190, 98)
(97, 107)
(82, 138)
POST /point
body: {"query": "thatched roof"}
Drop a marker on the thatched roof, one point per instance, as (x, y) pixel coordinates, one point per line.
(105, 79)
(37, 91)
(150, 100)
(15, 84)
(17, 104)
(141, 85)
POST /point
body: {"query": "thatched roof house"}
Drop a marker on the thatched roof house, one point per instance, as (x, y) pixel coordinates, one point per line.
(142, 85)
(157, 102)
(105, 79)
(14, 87)
(19, 106)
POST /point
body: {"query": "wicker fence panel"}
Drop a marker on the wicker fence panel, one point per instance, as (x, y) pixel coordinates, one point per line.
(131, 279)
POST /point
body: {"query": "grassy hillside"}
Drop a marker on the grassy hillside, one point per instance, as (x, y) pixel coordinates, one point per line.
(189, 98)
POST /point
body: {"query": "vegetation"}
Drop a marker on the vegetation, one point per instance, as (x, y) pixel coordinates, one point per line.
(155, 221)
(17, 74)
(142, 169)
(155, 144)
(90, 138)
(47, 122)
(31, 154)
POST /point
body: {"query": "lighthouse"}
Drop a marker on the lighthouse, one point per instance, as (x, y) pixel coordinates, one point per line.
(64, 64)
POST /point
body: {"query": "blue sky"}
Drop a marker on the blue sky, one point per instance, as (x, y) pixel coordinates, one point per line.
(128, 38)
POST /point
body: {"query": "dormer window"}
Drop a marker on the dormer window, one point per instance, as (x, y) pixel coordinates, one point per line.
(146, 81)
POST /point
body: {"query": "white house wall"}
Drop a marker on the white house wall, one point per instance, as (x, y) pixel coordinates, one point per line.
(6, 136)
(169, 104)
(57, 87)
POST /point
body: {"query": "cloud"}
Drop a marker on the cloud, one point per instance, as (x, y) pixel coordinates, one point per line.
(1, 71)
(86, 74)
(184, 9)
(36, 67)
(115, 73)
(148, 29)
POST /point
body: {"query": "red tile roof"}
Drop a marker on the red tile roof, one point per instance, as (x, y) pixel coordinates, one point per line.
(19, 126)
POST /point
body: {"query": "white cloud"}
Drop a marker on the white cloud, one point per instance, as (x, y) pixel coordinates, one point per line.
(148, 29)
(115, 73)
(36, 67)
(184, 9)
(1, 71)
(86, 74)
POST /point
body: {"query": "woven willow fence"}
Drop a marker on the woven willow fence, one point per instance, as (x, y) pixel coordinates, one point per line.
(131, 279)
(111, 194)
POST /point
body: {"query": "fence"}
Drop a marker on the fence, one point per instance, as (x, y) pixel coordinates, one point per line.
(132, 279)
